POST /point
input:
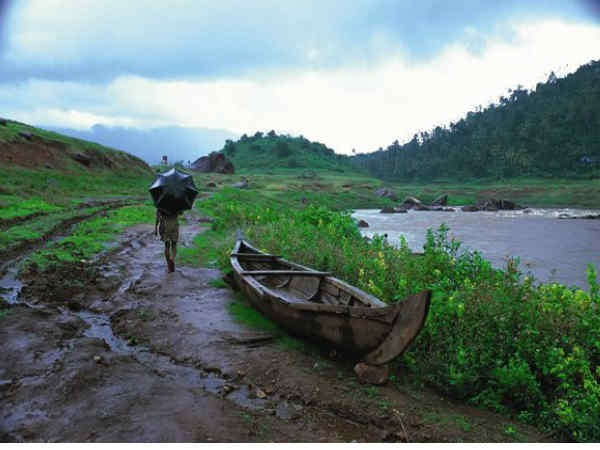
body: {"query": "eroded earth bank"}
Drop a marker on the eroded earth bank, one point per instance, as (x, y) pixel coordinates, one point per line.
(118, 350)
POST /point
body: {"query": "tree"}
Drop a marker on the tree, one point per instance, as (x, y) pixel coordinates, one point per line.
(283, 149)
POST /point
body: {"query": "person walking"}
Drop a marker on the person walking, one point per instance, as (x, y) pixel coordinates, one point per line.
(168, 227)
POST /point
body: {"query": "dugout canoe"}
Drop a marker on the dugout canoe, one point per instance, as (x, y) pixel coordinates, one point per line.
(323, 308)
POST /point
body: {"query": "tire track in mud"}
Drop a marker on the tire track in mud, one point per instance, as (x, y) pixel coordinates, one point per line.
(20, 220)
(29, 245)
(10, 285)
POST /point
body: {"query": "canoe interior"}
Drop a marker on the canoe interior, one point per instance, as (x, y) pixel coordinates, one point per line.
(300, 288)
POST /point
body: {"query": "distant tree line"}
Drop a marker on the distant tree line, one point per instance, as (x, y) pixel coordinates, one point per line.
(552, 130)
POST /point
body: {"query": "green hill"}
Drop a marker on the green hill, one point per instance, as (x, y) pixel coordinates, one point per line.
(270, 151)
(551, 131)
(44, 171)
(22, 145)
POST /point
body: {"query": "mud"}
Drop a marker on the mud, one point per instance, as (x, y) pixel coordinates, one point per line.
(122, 351)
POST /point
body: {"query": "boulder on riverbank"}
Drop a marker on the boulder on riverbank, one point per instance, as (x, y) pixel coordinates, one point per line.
(411, 203)
(242, 184)
(587, 216)
(422, 207)
(492, 204)
(362, 224)
(442, 200)
(391, 210)
(387, 193)
(215, 162)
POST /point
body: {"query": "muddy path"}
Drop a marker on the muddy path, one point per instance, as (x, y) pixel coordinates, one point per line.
(122, 351)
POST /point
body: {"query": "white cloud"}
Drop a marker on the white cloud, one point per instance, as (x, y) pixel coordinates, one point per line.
(361, 107)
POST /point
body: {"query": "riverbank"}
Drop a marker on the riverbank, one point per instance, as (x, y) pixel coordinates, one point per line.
(519, 366)
(339, 190)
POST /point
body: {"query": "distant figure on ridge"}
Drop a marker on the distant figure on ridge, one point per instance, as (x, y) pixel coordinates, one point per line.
(168, 227)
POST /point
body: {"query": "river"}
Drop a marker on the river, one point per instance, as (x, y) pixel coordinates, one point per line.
(552, 249)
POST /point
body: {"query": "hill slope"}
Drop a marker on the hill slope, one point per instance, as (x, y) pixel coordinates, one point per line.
(178, 143)
(271, 151)
(554, 130)
(34, 148)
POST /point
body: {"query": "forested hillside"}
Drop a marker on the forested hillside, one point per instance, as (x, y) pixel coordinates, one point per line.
(271, 151)
(552, 130)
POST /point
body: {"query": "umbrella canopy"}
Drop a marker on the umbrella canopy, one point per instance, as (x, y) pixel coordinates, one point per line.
(173, 191)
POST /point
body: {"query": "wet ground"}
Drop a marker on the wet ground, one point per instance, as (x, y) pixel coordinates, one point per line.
(119, 350)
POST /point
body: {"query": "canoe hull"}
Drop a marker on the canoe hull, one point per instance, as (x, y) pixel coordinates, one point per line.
(372, 331)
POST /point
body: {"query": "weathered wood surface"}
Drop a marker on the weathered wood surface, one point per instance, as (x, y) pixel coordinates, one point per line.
(304, 273)
(321, 307)
(255, 255)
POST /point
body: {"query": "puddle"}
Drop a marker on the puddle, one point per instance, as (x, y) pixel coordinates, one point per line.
(100, 328)
(10, 286)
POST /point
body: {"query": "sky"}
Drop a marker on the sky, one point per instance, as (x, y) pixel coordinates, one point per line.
(351, 74)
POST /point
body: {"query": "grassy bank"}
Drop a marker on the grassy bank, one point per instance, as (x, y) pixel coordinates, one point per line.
(527, 350)
(341, 191)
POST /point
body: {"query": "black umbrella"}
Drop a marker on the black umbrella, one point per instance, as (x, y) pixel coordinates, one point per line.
(173, 191)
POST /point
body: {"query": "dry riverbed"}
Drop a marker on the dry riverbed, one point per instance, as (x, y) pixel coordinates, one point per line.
(119, 350)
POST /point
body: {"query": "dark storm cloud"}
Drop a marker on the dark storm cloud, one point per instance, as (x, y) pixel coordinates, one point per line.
(97, 41)
(4, 12)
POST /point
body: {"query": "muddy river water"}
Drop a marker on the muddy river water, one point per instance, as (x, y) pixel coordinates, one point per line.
(552, 249)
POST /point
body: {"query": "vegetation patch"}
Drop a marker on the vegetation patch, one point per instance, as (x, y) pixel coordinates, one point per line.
(90, 237)
(246, 314)
(37, 229)
(12, 206)
(525, 349)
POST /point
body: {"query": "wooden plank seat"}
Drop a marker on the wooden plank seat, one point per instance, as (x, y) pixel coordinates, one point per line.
(255, 256)
(304, 273)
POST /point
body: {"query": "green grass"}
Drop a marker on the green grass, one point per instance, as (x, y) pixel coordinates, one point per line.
(37, 228)
(203, 252)
(14, 206)
(352, 190)
(218, 283)
(244, 313)
(43, 189)
(249, 316)
(89, 238)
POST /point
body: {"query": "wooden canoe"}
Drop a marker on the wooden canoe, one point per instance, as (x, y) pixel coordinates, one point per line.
(320, 307)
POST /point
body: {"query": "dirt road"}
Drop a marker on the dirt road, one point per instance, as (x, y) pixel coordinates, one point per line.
(122, 351)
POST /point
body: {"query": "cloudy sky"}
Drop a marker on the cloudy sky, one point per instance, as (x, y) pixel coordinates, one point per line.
(351, 74)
